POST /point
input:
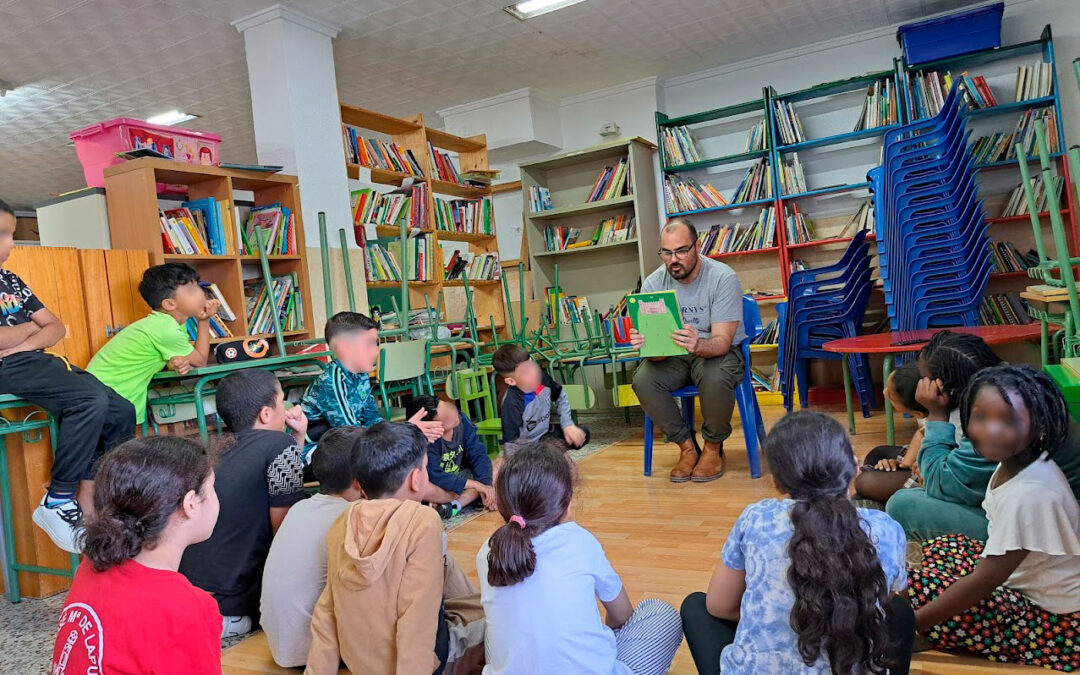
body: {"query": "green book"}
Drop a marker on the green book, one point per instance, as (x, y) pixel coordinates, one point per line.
(656, 316)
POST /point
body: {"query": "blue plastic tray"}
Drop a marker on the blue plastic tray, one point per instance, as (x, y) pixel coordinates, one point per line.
(951, 35)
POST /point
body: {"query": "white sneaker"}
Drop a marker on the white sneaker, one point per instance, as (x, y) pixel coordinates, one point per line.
(63, 523)
(232, 626)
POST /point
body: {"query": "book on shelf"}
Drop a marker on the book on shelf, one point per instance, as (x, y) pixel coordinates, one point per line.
(420, 254)
(472, 266)
(380, 264)
(612, 182)
(284, 299)
(479, 178)
(679, 146)
(798, 226)
(198, 227)
(683, 193)
(928, 91)
(758, 138)
(225, 311)
(1003, 309)
(610, 231)
(571, 309)
(862, 220)
(217, 328)
(755, 185)
(443, 167)
(788, 123)
(792, 178)
(797, 265)
(768, 335)
(1017, 204)
(736, 237)
(539, 199)
(371, 207)
(472, 216)
(1034, 81)
(1007, 258)
(376, 154)
(879, 107)
(1001, 146)
(280, 224)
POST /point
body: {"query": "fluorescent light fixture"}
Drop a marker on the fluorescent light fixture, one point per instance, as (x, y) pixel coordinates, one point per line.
(530, 8)
(170, 118)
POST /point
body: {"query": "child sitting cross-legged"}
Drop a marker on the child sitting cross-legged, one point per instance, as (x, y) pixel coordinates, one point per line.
(395, 601)
(526, 406)
(1015, 598)
(259, 476)
(458, 466)
(295, 571)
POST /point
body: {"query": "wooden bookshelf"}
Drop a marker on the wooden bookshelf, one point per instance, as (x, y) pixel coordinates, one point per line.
(132, 199)
(410, 133)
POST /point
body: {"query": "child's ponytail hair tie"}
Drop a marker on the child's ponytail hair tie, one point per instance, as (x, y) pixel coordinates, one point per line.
(519, 520)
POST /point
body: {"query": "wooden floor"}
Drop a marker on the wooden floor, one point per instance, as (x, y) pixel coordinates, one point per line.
(662, 538)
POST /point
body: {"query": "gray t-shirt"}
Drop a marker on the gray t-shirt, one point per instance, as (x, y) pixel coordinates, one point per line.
(714, 297)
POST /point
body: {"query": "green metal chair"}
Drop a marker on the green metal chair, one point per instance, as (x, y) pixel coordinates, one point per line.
(477, 400)
(402, 370)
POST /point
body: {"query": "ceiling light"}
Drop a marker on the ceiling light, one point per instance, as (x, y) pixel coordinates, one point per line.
(530, 8)
(170, 118)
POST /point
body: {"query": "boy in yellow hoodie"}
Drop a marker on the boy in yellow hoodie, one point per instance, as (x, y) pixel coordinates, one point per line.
(395, 601)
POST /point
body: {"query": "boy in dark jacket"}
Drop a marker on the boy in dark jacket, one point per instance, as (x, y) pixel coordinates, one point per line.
(458, 467)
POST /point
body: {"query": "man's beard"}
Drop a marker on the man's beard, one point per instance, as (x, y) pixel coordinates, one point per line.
(684, 270)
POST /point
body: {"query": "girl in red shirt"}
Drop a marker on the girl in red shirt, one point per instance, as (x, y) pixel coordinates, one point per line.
(129, 610)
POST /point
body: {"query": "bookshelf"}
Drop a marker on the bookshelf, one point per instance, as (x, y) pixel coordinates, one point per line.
(602, 272)
(470, 154)
(132, 198)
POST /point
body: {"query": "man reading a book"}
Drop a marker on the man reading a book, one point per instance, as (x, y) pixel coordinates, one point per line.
(710, 299)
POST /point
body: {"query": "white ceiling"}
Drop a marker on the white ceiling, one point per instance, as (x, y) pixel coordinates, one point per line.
(77, 62)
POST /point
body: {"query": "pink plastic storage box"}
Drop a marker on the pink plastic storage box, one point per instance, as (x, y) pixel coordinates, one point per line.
(97, 145)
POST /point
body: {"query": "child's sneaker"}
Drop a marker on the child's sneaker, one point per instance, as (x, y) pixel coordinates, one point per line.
(447, 511)
(62, 521)
(232, 626)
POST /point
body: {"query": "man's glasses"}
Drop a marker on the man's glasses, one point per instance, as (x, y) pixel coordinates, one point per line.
(680, 253)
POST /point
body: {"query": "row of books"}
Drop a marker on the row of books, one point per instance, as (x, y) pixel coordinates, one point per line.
(614, 181)
(375, 154)
(472, 216)
(758, 138)
(1017, 205)
(862, 220)
(792, 178)
(768, 335)
(1008, 259)
(196, 228)
(217, 327)
(928, 91)
(788, 123)
(571, 309)
(797, 226)
(539, 199)
(679, 146)
(611, 230)
(280, 224)
(1001, 146)
(285, 299)
(879, 108)
(384, 263)
(1003, 309)
(1034, 81)
(755, 185)
(473, 266)
(764, 382)
(371, 207)
(442, 166)
(683, 193)
(735, 237)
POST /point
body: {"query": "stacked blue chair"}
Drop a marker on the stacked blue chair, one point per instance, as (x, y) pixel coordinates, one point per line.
(825, 303)
(931, 230)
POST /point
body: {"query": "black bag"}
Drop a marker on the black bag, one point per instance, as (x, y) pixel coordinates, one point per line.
(242, 350)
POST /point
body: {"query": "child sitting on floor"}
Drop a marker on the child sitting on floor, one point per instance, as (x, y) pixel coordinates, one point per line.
(395, 601)
(258, 479)
(128, 611)
(1017, 598)
(295, 571)
(804, 584)
(541, 575)
(458, 466)
(526, 406)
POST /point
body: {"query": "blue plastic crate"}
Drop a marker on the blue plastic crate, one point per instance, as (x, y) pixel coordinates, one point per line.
(952, 35)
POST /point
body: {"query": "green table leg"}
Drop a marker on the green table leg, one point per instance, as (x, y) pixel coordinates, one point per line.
(1044, 342)
(200, 413)
(9, 525)
(847, 393)
(890, 431)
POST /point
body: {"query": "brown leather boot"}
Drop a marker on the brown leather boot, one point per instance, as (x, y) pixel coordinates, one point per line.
(710, 465)
(688, 457)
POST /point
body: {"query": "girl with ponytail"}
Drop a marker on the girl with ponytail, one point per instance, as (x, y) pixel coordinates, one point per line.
(129, 610)
(541, 575)
(805, 582)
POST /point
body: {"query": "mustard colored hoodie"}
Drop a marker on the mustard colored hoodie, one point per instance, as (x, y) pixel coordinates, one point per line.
(380, 608)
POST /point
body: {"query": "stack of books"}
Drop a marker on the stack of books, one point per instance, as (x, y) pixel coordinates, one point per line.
(799, 227)
(472, 216)
(479, 178)
(473, 266)
(539, 199)
(279, 222)
(788, 122)
(196, 228)
(679, 146)
(375, 154)
(1008, 259)
(755, 185)
(371, 207)
(879, 107)
(792, 178)
(614, 181)
(683, 193)
(1018, 204)
(734, 238)
(1002, 146)
(609, 231)
(285, 299)
(758, 139)
(1004, 309)
(862, 220)
(1034, 81)
(442, 166)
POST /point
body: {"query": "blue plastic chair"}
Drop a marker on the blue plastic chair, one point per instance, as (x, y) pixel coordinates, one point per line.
(749, 412)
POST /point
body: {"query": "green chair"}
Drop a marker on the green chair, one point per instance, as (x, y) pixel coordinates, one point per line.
(402, 370)
(477, 401)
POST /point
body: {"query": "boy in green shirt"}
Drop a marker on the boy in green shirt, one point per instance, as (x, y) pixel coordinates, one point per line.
(131, 358)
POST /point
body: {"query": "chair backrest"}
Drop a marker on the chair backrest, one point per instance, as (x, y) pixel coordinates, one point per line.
(581, 396)
(751, 317)
(402, 360)
(474, 395)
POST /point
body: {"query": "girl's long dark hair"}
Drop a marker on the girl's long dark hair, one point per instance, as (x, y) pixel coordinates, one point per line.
(138, 487)
(536, 484)
(954, 358)
(841, 605)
